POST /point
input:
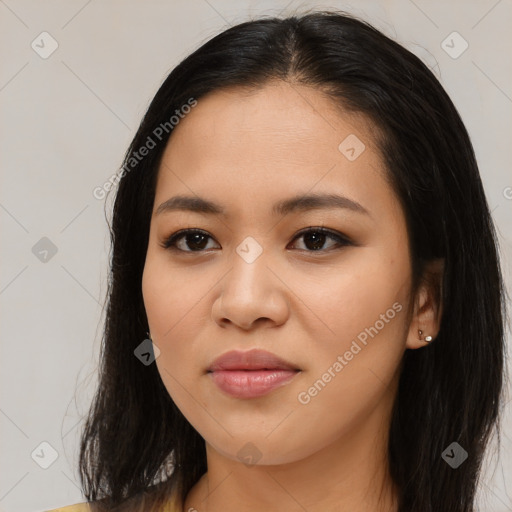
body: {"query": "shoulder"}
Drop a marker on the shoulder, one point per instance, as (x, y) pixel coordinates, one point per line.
(79, 507)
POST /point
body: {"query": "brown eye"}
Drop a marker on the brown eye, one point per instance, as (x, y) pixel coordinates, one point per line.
(187, 240)
(315, 239)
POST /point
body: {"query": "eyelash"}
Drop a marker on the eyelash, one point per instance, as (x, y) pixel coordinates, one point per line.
(341, 240)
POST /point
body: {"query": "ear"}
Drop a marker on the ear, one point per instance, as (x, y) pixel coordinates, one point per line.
(428, 307)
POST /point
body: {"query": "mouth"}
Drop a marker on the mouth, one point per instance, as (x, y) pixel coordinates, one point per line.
(251, 374)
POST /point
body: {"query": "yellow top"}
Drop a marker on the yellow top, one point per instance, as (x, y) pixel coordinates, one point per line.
(84, 507)
(79, 507)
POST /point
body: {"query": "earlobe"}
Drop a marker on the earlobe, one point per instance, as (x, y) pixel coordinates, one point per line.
(427, 339)
(428, 308)
(416, 338)
(420, 340)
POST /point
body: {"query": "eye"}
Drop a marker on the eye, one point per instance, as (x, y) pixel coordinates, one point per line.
(195, 240)
(315, 237)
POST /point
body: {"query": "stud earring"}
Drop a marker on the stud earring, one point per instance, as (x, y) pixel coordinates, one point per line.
(427, 339)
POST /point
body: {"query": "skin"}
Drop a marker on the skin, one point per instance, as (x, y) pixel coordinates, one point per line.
(247, 151)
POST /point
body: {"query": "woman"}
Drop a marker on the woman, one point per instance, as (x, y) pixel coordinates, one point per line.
(301, 229)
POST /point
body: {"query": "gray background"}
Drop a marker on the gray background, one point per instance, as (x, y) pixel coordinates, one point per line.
(66, 122)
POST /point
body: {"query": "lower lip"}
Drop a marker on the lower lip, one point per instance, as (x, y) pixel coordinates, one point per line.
(251, 383)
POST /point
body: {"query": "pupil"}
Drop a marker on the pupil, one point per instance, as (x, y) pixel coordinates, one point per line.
(196, 239)
(319, 240)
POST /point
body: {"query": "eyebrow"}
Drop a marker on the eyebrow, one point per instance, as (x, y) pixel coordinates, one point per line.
(293, 204)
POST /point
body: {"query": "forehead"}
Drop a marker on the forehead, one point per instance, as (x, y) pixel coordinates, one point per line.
(264, 144)
(272, 120)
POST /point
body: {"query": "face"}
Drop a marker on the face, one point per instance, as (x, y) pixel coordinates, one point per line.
(331, 303)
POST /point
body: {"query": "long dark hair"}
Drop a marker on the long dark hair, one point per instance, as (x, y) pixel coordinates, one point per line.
(137, 446)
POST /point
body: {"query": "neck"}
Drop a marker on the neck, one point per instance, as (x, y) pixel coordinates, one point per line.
(350, 473)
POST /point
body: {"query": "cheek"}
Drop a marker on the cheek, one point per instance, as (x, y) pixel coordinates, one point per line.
(171, 296)
(167, 306)
(353, 295)
(175, 313)
(364, 311)
(351, 371)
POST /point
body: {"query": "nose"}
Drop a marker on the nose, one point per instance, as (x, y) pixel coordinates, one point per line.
(251, 294)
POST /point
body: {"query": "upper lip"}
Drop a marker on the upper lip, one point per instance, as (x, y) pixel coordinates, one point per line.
(254, 359)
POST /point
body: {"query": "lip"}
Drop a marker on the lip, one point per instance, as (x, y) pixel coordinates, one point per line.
(252, 373)
(254, 359)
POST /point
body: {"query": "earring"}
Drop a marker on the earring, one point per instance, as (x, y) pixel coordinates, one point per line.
(428, 339)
